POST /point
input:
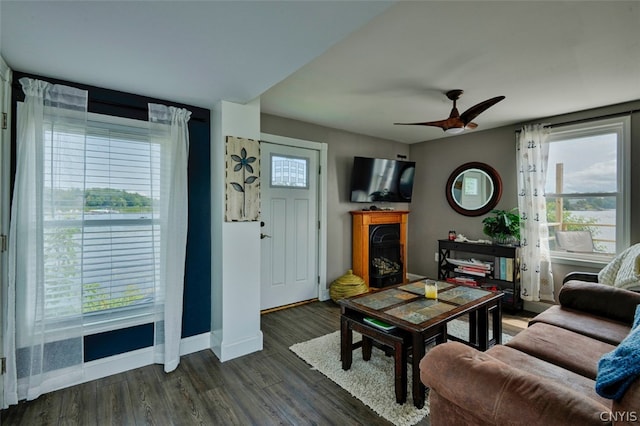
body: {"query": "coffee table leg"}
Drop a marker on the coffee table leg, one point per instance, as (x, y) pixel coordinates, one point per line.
(483, 328)
(497, 323)
(442, 336)
(346, 338)
(367, 344)
(473, 327)
(417, 388)
(400, 365)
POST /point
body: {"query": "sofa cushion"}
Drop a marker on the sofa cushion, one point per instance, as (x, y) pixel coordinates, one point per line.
(599, 299)
(573, 351)
(538, 367)
(599, 328)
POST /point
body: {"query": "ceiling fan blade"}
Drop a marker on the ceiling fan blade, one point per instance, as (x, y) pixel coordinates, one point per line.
(439, 123)
(476, 110)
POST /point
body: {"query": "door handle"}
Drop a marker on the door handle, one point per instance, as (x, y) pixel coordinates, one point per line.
(263, 236)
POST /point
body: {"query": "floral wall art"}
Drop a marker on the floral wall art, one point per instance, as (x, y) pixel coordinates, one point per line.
(242, 179)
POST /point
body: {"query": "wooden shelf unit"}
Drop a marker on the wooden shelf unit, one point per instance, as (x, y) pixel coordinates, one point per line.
(360, 243)
(509, 286)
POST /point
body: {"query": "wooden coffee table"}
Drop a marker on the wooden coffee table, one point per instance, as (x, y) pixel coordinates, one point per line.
(418, 321)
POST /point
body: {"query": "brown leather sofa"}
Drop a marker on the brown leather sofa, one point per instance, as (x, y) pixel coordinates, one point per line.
(543, 376)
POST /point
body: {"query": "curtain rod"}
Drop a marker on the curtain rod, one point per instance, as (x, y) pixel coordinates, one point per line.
(583, 120)
(195, 115)
(103, 96)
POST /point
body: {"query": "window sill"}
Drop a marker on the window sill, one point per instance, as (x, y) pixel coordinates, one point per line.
(104, 323)
(578, 259)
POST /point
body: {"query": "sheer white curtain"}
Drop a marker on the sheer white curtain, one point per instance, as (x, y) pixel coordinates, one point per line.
(169, 130)
(47, 350)
(532, 154)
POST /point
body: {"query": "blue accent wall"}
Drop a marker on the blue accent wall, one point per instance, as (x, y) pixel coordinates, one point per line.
(196, 317)
(116, 342)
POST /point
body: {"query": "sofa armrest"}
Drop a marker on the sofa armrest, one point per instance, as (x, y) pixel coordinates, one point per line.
(591, 277)
(497, 393)
(600, 299)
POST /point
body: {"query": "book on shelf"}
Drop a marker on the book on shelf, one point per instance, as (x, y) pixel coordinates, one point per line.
(470, 271)
(503, 268)
(470, 263)
(475, 268)
(508, 295)
(509, 272)
(462, 281)
(490, 287)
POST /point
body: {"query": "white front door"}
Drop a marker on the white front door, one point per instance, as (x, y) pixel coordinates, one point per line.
(289, 231)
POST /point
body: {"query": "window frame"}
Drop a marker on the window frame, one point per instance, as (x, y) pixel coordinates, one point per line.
(620, 125)
(110, 319)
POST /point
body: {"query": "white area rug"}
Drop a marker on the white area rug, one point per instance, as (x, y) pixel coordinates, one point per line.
(369, 381)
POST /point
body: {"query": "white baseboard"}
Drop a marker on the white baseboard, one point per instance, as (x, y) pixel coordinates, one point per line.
(226, 351)
(116, 364)
(120, 363)
(324, 295)
(196, 343)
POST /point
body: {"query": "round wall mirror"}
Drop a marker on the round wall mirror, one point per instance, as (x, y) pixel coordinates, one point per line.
(474, 189)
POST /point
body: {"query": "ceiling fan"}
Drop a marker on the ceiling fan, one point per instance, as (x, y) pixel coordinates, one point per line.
(457, 122)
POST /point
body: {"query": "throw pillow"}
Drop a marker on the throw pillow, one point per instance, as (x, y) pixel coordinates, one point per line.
(624, 270)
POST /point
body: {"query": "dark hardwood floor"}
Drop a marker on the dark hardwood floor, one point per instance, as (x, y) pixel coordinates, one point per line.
(271, 387)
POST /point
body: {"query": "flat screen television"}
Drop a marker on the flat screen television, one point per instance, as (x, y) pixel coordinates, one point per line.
(381, 180)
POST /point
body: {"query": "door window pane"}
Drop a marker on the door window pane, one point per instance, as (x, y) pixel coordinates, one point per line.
(291, 172)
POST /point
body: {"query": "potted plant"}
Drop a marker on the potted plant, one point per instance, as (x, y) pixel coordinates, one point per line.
(503, 227)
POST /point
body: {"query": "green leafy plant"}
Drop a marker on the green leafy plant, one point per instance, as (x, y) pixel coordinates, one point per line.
(503, 226)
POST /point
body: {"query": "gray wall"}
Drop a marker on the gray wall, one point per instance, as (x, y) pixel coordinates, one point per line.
(341, 148)
(431, 217)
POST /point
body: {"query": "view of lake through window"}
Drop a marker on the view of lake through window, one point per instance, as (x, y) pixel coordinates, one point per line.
(102, 238)
(583, 189)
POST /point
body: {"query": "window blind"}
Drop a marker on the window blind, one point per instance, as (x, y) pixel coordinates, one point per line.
(102, 237)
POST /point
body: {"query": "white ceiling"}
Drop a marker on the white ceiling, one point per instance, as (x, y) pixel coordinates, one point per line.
(547, 58)
(195, 52)
(381, 64)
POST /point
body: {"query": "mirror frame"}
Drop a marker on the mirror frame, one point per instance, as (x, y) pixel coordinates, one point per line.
(491, 203)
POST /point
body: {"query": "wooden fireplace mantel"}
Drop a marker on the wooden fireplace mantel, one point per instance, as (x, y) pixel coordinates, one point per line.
(360, 242)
